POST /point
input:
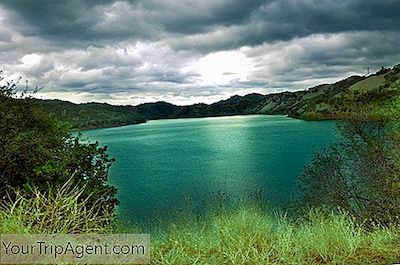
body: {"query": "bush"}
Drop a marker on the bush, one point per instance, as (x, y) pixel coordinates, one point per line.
(36, 150)
(360, 174)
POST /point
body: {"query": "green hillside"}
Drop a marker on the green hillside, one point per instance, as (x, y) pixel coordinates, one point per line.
(353, 95)
(91, 115)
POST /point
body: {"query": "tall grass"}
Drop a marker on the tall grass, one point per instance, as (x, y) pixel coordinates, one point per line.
(247, 235)
(60, 210)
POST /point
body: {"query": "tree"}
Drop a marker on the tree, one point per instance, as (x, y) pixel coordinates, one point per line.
(36, 150)
(360, 173)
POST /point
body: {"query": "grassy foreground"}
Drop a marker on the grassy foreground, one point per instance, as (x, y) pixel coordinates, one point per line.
(247, 235)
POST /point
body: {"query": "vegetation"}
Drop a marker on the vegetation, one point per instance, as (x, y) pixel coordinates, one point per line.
(248, 235)
(90, 115)
(345, 99)
(360, 174)
(37, 151)
(62, 210)
(251, 236)
(52, 182)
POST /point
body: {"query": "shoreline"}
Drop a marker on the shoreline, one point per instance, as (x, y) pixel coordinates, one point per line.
(217, 116)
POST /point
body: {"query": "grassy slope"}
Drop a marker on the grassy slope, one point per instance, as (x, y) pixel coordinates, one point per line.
(348, 98)
(244, 236)
(250, 236)
(368, 84)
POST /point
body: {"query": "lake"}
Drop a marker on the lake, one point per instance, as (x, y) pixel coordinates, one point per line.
(165, 165)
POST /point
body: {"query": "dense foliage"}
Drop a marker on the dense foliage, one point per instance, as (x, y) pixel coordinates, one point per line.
(37, 151)
(360, 174)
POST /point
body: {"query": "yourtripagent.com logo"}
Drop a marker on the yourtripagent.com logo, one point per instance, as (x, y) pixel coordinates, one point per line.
(75, 248)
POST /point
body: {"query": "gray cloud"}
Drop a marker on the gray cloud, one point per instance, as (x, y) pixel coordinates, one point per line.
(82, 20)
(287, 19)
(149, 50)
(236, 23)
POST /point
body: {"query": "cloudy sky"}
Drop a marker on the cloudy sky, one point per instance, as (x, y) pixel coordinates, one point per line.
(184, 52)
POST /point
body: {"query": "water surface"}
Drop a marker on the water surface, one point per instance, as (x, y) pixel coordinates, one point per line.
(161, 165)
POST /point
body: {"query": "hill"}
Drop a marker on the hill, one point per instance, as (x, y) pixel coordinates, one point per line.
(91, 115)
(325, 101)
(352, 96)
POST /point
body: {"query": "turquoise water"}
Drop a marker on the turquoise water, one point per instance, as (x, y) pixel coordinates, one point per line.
(162, 165)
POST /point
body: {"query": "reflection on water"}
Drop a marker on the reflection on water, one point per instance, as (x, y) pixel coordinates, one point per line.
(160, 163)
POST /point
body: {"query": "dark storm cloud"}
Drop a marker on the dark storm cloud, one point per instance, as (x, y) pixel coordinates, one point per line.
(150, 49)
(74, 21)
(81, 21)
(202, 16)
(302, 18)
(240, 22)
(287, 19)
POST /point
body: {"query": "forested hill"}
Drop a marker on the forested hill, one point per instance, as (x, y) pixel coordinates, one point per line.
(326, 101)
(91, 115)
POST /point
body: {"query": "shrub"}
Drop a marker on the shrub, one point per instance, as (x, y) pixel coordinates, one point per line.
(360, 174)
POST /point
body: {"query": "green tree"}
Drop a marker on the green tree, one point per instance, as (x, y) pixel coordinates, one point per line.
(360, 173)
(36, 150)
